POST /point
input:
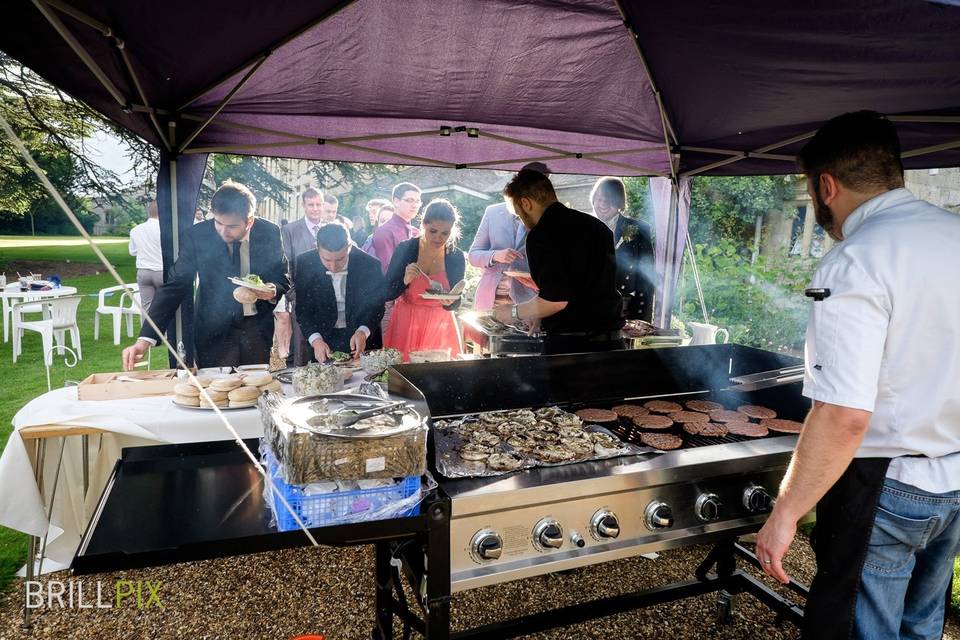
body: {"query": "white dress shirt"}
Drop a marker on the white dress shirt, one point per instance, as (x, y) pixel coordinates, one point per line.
(339, 279)
(887, 339)
(145, 245)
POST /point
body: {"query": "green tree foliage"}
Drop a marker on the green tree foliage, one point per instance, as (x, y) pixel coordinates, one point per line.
(248, 170)
(722, 207)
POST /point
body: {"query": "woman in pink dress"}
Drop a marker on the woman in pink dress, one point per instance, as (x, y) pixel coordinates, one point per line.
(418, 323)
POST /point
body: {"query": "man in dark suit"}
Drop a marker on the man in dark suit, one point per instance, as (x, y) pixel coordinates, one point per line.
(233, 244)
(636, 275)
(298, 237)
(339, 295)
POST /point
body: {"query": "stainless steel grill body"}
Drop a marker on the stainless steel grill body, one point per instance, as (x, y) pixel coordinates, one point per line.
(547, 519)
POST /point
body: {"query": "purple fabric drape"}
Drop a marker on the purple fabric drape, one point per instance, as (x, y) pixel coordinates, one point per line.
(189, 173)
(661, 190)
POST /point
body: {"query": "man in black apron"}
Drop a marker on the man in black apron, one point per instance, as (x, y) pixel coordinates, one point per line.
(573, 265)
(878, 455)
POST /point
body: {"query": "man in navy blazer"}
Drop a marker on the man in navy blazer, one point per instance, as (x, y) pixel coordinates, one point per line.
(340, 293)
(234, 243)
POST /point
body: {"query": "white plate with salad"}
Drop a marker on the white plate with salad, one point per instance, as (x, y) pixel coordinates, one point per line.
(251, 281)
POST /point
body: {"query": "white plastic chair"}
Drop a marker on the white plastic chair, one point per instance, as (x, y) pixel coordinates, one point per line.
(131, 310)
(116, 312)
(59, 317)
(9, 301)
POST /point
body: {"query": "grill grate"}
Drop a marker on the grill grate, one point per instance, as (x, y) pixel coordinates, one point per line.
(689, 441)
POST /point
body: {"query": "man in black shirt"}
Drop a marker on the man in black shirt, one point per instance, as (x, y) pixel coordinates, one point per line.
(572, 263)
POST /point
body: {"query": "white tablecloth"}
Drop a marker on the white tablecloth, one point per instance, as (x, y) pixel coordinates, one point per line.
(133, 422)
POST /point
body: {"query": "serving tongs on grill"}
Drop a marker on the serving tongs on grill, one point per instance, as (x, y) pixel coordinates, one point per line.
(351, 417)
(765, 379)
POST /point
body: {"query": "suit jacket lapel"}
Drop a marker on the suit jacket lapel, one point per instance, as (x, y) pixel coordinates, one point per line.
(618, 232)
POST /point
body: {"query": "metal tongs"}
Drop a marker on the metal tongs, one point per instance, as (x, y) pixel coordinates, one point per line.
(350, 418)
(764, 379)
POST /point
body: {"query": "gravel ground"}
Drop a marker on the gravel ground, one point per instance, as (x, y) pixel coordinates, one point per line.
(330, 591)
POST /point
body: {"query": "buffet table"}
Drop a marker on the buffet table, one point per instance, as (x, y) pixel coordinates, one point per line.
(113, 425)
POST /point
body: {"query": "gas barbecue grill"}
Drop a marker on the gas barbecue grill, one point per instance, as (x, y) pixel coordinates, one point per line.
(555, 518)
(484, 531)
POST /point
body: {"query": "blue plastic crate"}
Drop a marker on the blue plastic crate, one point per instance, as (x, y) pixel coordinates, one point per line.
(332, 508)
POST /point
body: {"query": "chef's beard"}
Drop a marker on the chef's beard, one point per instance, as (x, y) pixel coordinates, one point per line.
(824, 216)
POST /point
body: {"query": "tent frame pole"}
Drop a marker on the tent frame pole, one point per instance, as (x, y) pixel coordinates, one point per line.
(946, 146)
(734, 152)
(151, 115)
(223, 103)
(45, 8)
(747, 154)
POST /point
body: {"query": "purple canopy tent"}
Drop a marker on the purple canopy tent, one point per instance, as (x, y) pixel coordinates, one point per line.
(594, 86)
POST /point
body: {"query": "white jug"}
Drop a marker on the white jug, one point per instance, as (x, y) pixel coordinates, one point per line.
(707, 333)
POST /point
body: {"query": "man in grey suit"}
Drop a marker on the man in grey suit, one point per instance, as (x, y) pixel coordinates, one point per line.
(298, 237)
(499, 246)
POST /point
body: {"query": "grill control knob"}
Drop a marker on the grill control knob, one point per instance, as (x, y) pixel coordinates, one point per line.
(708, 507)
(605, 525)
(658, 515)
(577, 540)
(547, 535)
(756, 499)
(486, 545)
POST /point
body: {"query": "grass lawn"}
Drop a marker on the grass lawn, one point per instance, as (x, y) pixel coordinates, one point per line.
(63, 249)
(26, 379)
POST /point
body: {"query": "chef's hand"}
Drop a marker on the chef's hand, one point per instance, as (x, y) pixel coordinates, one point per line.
(321, 350)
(773, 541)
(358, 343)
(134, 353)
(504, 313)
(527, 282)
(411, 273)
(534, 328)
(506, 256)
(266, 295)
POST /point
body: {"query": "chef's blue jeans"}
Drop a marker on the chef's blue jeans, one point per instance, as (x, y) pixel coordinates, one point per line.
(915, 538)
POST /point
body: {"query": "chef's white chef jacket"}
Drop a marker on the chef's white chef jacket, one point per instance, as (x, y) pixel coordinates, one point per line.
(887, 339)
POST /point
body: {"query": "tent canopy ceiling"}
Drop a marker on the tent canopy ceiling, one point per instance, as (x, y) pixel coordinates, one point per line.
(378, 81)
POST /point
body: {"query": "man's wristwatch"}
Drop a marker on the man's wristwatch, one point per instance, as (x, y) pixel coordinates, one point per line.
(515, 312)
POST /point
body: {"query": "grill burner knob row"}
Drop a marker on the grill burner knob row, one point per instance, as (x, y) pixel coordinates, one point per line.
(708, 507)
(658, 515)
(605, 525)
(547, 535)
(756, 499)
(486, 545)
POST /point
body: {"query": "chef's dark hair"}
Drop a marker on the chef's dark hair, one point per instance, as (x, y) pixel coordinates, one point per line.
(860, 149)
(441, 210)
(235, 199)
(530, 184)
(332, 236)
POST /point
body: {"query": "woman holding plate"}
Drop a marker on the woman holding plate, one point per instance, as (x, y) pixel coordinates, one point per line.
(425, 276)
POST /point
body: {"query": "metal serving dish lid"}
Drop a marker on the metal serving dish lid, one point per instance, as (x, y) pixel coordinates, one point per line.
(318, 414)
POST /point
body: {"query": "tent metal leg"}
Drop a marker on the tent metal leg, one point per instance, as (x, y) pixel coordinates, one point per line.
(31, 559)
(53, 497)
(85, 448)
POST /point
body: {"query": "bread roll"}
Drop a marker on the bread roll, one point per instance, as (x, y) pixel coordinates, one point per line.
(219, 403)
(204, 381)
(244, 295)
(244, 394)
(186, 389)
(274, 386)
(216, 396)
(226, 384)
(243, 403)
(189, 401)
(257, 379)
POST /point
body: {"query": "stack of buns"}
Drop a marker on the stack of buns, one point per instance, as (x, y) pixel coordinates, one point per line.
(234, 392)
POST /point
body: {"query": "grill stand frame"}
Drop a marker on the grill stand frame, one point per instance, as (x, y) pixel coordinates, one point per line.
(717, 573)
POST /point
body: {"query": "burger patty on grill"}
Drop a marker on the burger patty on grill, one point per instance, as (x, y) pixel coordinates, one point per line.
(662, 441)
